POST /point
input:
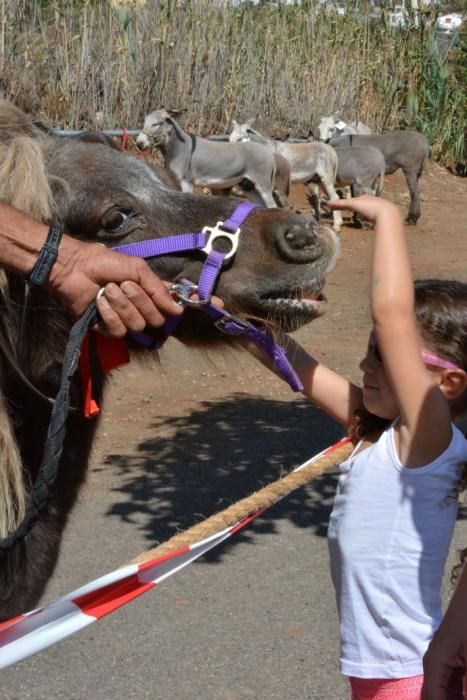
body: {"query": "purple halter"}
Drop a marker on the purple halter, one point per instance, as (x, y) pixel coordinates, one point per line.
(223, 320)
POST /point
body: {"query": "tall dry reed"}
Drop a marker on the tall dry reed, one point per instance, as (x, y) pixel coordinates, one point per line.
(101, 64)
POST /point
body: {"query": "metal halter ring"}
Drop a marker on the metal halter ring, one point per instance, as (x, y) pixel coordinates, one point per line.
(218, 231)
(182, 294)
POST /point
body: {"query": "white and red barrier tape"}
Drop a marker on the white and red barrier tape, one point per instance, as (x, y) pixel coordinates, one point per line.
(34, 631)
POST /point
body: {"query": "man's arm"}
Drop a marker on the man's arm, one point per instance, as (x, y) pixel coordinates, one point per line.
(133, 298)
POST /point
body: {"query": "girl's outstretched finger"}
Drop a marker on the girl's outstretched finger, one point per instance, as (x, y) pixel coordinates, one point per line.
(367, 205)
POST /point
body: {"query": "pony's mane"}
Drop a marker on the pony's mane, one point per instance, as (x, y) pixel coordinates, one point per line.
(24, 185)
(14, 122)
(23, 180)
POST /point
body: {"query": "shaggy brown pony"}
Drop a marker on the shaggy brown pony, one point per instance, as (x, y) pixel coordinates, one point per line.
(99, 194)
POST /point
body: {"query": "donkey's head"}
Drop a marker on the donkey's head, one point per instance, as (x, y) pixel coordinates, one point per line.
(157, 129)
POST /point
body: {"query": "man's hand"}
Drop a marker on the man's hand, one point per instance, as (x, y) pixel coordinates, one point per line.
(133, 295)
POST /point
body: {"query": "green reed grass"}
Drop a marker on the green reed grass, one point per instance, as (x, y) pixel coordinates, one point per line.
(101, 64)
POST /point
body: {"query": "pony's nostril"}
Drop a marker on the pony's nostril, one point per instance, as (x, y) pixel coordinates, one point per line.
(299, 238)
(299, 243)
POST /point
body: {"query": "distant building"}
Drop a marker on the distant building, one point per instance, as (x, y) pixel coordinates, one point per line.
(392, 5)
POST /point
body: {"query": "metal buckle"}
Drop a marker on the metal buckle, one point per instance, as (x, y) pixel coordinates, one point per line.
(218, 232)
(182, 294)
(221, 323)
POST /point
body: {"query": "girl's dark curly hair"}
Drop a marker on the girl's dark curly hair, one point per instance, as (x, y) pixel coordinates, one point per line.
(441, 313)
(457, 569)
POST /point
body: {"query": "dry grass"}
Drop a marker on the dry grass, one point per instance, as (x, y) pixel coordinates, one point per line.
(98, 64)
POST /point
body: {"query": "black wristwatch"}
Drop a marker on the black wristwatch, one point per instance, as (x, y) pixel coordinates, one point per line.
(47, 256)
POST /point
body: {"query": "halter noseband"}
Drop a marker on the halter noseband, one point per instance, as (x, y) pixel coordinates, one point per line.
(183, 290)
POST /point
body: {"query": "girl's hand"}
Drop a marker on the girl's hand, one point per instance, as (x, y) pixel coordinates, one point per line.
(368, 206)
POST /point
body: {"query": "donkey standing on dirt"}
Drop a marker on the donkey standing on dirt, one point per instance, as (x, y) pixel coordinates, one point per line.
(361, 168)
(217, 165)
(314, 164)
(101, 195)
(407, 150)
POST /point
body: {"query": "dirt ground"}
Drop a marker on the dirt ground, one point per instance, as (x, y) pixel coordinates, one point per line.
(183, 440)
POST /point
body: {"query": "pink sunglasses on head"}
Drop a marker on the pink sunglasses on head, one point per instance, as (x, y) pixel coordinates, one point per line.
(427, 357)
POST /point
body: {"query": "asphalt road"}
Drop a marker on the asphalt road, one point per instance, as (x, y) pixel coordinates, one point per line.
(253, 619)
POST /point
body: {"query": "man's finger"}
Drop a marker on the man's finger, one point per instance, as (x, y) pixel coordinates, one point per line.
(109, 323)
(150, 313)
(122, 305)
(157, 291)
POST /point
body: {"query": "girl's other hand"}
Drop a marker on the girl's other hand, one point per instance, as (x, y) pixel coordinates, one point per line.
(368, 206)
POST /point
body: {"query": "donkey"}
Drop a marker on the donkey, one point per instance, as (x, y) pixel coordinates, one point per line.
(361, 168)
(281, 183)
(98, 194)
(314, 164)
(214, 164)
(282, 180)
(407, 150)
(331, 127)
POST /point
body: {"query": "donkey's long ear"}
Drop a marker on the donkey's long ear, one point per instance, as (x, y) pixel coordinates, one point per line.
(234, 123)
(251, 121)
(176, 112)
(179, 133)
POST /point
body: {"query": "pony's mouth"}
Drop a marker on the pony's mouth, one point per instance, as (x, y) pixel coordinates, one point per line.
(303, 301)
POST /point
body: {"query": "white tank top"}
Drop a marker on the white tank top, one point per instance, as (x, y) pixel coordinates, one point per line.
(389, 536)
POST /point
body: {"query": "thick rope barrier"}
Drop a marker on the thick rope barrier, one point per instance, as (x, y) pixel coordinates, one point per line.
(40, 628)
(260, 500)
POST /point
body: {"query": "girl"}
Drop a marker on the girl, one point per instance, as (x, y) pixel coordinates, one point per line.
(396, 503)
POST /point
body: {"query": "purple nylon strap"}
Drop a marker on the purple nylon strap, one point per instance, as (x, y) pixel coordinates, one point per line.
(224, 321)
(213, 264)
(238, 216)
(163, 246)
(209, 274)
(231, 325)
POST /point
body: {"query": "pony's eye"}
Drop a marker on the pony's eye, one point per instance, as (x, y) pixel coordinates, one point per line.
(114, 220)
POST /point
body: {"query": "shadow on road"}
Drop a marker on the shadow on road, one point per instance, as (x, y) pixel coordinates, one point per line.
(220, 453)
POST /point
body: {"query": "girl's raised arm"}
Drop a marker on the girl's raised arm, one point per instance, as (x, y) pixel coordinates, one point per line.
(328, 390)
(425, 421)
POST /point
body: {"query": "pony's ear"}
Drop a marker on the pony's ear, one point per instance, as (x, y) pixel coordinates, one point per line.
(234, 123)
(251, 121)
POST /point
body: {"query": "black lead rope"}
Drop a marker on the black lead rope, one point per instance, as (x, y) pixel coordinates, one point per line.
(47, 474)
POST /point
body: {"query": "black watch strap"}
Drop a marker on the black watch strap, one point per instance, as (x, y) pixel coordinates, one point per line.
(47, 256)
